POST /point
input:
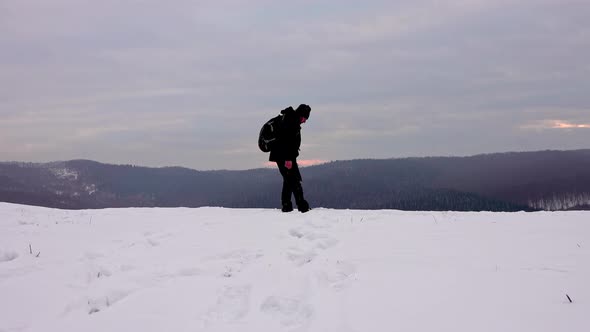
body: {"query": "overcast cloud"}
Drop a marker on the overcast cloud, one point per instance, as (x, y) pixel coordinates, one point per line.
(189, 83)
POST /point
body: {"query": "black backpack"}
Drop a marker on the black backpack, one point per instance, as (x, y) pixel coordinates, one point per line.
(269, 133)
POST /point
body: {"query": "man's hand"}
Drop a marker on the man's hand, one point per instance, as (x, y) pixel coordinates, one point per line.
(288, 164)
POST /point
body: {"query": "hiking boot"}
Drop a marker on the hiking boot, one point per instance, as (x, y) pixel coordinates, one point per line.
(287, 207)
(303, 206)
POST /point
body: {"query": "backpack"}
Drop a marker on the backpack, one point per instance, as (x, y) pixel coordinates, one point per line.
(269, 133)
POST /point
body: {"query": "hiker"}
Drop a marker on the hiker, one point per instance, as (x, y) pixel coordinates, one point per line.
(285, 152)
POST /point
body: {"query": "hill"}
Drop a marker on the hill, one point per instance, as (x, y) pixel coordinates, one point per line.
(543, 180)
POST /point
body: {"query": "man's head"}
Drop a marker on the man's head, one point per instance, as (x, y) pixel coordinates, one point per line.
(303, 112)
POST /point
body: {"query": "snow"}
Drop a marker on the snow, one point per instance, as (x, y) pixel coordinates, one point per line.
(64, 173)
(90, 189)
(215, 269)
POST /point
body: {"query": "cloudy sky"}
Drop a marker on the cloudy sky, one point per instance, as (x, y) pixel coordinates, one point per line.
(190, 82)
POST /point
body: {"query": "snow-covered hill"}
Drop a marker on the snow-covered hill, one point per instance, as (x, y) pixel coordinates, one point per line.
(214, 269)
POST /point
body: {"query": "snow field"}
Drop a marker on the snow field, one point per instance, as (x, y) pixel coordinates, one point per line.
(215, 269)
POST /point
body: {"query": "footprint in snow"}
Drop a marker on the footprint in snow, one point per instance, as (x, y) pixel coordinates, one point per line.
(153, 242)
(7, 256)
(324, 241)
(154, 239)
(301, 257)
(189, 272)
(337, 275)
(92, 255)
(230, 263)
(290, 312)
(295, 232)
(233, 303)
(96, 303)
(100, 303)
(306, 234)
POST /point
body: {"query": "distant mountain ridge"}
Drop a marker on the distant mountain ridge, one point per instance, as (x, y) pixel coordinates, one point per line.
(541, 180)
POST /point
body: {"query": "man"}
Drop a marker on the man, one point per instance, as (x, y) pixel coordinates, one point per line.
(285, 153)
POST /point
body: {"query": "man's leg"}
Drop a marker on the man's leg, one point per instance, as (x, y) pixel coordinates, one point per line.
(287, 206)
(295, 178)
(287, 191)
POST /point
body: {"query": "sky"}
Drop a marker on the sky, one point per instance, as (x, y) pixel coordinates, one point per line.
(189, 83)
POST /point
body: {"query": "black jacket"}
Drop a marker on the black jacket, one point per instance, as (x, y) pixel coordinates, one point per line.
(289, 137)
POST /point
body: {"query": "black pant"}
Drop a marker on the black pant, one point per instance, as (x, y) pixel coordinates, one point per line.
(291, 184)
